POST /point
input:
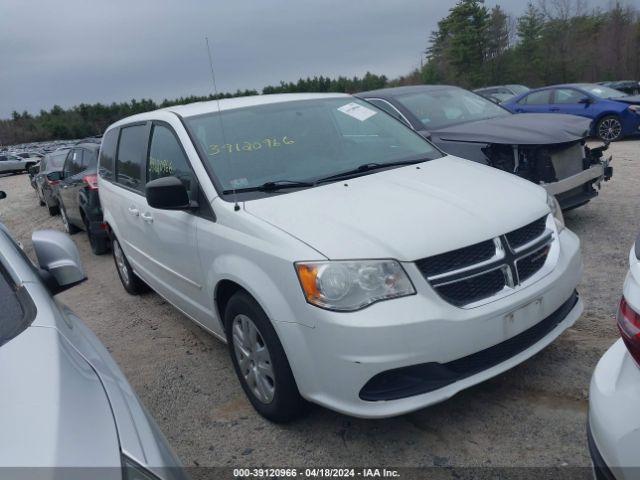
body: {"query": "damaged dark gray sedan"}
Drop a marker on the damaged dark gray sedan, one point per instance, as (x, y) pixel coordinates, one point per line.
(547, 149)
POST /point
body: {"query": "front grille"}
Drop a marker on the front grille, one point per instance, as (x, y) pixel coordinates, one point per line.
(477, 272)
(455, 259)
(473, 289)
(427, 377)
(526, 234)
(528, 266)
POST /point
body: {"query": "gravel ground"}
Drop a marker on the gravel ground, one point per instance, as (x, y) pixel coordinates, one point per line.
(533, 415)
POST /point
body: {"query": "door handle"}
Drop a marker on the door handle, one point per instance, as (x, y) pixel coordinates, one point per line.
(146, 216)
(134, 211)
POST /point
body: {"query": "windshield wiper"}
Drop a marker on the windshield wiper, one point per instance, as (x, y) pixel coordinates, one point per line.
(271, 186)
(367, 167)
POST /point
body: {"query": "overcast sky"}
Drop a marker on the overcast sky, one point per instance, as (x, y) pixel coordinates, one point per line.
(72, 51)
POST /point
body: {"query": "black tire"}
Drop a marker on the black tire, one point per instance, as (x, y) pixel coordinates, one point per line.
(130, 281)
(53, 211)
(27, 167)
(286, 403)
(69, 227)
(609, 128)
(99, 245)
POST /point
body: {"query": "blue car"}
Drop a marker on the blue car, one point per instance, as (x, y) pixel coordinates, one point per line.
(615, 114)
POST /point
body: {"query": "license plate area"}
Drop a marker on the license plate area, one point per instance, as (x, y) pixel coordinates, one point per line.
(523, 318)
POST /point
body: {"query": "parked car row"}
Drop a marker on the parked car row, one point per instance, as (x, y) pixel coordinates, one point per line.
(66, 182)
(345, 247)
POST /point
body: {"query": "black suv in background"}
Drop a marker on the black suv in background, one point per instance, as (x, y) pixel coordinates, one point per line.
(78, 198)
(45, 180)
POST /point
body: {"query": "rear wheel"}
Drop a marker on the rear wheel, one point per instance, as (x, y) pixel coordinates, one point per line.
(68, 226)
(99, 244)
(130, 281)
(609, 128)
(259, 360)
(27, 167)
(53, 211)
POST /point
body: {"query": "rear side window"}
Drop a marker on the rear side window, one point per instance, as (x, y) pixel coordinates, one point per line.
(536, 98)
(166, 158)
(108, 154)
(90, 159)
(73, 165)
(129, 160)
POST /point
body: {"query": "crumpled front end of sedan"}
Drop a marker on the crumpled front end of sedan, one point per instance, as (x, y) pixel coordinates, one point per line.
(571, 171)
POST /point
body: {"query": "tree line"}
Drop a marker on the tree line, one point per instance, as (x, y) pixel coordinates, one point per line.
(553, 41)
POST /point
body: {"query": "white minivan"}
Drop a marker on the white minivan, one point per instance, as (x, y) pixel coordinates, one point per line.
(346, 260)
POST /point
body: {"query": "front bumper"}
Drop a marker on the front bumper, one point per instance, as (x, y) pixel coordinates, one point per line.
(614, 418)
(336, 358)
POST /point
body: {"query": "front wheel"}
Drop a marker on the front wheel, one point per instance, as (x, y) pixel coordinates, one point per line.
(609, 128)
(259, 360)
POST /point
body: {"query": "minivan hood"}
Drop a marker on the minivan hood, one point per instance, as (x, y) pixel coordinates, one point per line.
(519, 129)
(406, 213)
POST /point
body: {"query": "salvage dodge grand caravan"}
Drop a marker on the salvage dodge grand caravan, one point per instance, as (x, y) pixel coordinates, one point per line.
(345, 259)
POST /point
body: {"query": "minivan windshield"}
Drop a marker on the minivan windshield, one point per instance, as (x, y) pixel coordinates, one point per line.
(441, 107)
(301, 141)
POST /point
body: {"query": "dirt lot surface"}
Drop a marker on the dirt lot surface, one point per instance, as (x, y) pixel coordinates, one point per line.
(533, 415)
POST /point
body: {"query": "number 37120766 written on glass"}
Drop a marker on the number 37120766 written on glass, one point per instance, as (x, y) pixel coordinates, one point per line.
(216, 149)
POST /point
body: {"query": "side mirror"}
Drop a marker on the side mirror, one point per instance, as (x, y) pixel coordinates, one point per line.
(59, 260)
(167, 193)
(55, 176)
(2, 195)
(585, 101)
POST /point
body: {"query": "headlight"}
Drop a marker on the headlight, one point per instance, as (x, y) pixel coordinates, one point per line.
(554, 206)
(132, 471)
(635, 108)
(352, 285)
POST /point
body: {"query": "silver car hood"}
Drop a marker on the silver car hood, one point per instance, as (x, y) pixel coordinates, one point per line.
(54, 410)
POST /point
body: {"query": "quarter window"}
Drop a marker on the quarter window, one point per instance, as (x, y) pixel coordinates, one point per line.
(167, 159)
(129, 161)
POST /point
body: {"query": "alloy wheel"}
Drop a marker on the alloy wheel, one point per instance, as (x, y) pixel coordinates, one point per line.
(253, 358)
(609, 129)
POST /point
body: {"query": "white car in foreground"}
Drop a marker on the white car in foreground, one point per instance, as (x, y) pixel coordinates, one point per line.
(347, 260)
(614, 418)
